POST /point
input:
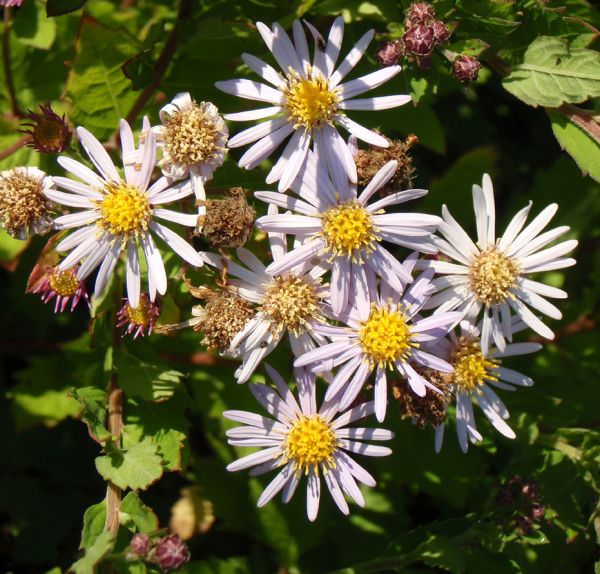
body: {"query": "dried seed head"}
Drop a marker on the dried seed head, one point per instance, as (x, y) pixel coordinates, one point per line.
(228, 221)
(370, 161)
(389, 53)
(430, 409)
(223, 316)
(49, 132)
(419, 13)
(24, 209)
(466, 68)
(419, 40)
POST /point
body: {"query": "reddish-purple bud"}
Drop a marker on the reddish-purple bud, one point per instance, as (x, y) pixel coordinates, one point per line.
(140, 544)
(171, 553)
(419, 13)
(538, 511)
(466, 68)
(389, 53)
(441, 34)
(419, 40)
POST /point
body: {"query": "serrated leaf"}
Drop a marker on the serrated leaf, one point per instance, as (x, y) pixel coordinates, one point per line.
(32, 28)
(135, 515)
(581, 147)
(100, 92)
(93, 411)
(552, 74)
(60, 7)
(136, 468)
(94, 554)
(149, 379)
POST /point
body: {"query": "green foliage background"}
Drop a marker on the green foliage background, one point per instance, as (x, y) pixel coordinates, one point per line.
(429, 513)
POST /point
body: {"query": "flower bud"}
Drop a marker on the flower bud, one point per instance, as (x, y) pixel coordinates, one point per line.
(466, 68)
(419, 13)
(171, 553)
(419, 40)
(389, 53)
(441, 33)
(49, 132)
(140, 544)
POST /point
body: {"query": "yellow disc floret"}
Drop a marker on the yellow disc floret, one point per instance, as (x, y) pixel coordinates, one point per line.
(290, 302)
(143, 314)
(492, 275)
(310, 442)
(348, 230)
(471, 368)
(385, 336)
(125, 209)
(64, 283)
(309, 102)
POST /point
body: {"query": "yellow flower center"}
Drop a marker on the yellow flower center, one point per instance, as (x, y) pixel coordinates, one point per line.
(492, 275)
(64, 283)
(385, 336)
(290, 302)
(144, 314)
(125, 209)
(194, 135)
(348, 229)
(309, 102)
(471, 368)
(310, 442)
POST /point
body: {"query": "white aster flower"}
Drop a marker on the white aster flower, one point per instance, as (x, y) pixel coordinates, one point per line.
(493, 274)
(307, 100)
(338, 226)
(475, 375)
(120, 214)
(292, 302)
(303, 440)
(382, 331)
(193, 139)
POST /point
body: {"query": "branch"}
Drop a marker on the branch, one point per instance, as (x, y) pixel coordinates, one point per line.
(14, 147)
(185, 9)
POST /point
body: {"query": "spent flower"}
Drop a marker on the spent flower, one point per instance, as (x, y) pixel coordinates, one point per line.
(49, 132)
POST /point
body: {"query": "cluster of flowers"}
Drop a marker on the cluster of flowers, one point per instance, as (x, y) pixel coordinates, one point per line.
(355, 315)
(422, 34)
(168, 552)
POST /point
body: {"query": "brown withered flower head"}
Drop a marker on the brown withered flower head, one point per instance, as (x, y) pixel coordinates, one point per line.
(228, 221)
(370, 161)
(49, 132)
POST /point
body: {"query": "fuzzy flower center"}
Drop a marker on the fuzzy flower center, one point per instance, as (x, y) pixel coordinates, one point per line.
(125, 209)
(492, 275)
(309, 102)
(144, 314)
(309, 442)
(471, 368)
(64, 283)
(348, 229)
(193, 135)
(385, 336)
(291, 302)
(22, 202)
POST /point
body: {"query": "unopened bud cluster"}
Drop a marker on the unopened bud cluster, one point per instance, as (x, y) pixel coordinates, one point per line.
(422, 34)
(169, 553)
(520, 505)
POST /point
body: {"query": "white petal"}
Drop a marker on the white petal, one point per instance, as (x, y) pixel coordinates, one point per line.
(379, 103)
(177, 244)
(98, 155)
(368, 82)
(156, 268)
(265, 71)
(351, 59)
(251, 90)
(250, 115)
(362, 133)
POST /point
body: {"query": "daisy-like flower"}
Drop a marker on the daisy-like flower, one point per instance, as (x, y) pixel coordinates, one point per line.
(382, 331)
(120, 214)
(139, 320)
(62, 286)
(493, 274)
(307, 100)
(193, 139)
(338, 226)
(292, 302)
(302, 439)
(474, 377)
(24, 209)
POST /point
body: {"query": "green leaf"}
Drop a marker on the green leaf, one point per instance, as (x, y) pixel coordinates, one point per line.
(94, 554)
(10, 248)
(148, 378)
(60, 7)
(136, 515)
(581, 147)
(93, 411)
(100, 92)
(32, 28)
(552, 74)
(136, 468)
(94, 519)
